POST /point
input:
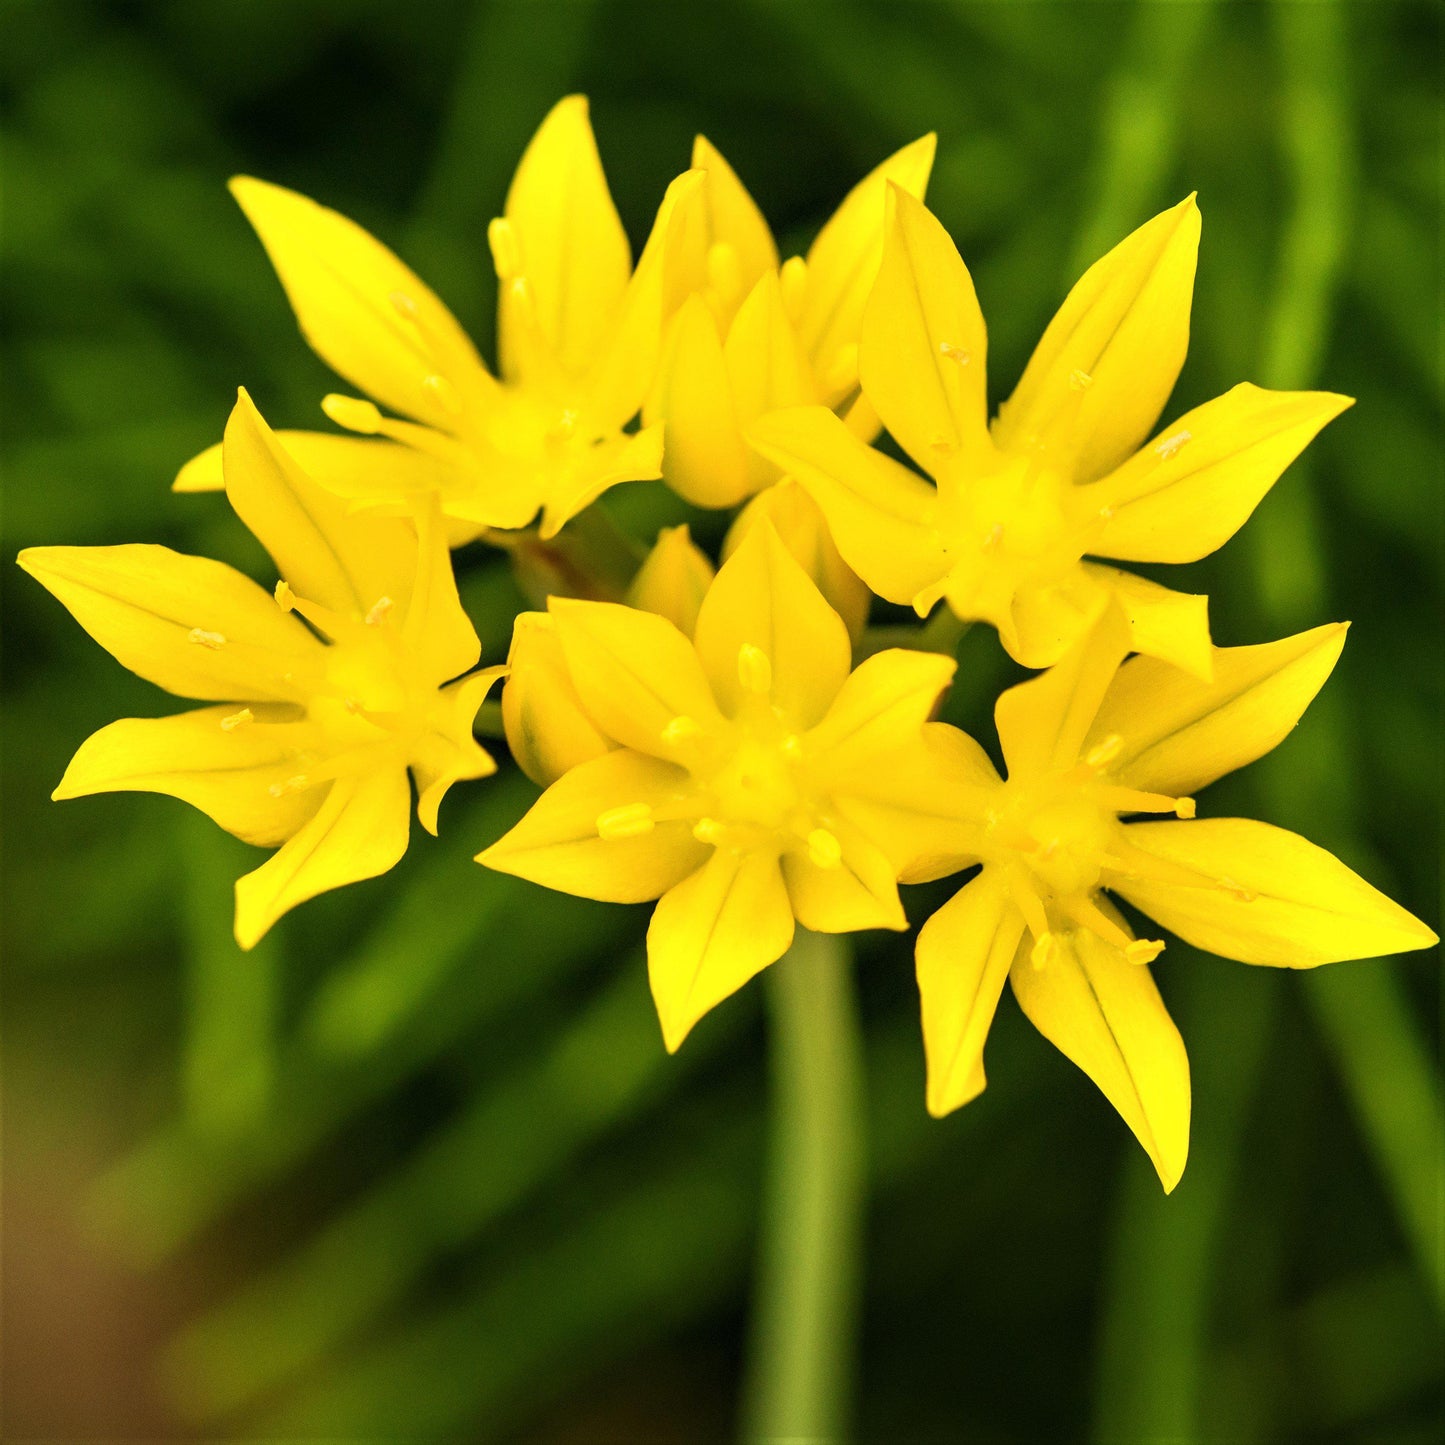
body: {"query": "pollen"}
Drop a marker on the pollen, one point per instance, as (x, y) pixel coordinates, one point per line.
(824, 848)
(379, 610)
(1080, 380)
(631, 820)
(1171, 446)
(291, 785)
(755, 671)
(956, 354)
(214, 641)
(237, 720)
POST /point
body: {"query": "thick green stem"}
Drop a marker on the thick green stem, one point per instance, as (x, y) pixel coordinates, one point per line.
(801, 1357)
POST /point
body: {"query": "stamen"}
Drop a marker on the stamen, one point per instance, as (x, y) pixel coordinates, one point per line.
(1144, 950)
(824, 849)
(1172, 446)
(378, 612)
(353, 413)
(1032, 908)
(1046, 946)
(1104, 751)
(291, 785)
(755, 671)
(708, 830)
(237, 720)
(1184, 808)
(506, 252)
(1131, 800)
(956, 354)
(213, 641)
(680, 730)
(631, 820)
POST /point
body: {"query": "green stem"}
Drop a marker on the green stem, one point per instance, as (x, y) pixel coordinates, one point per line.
(805, 1309)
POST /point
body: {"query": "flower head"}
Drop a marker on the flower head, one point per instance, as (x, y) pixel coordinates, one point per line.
(1103, 761)
(1013, 511)
(755, 781)
(579, 332)
(316, 726)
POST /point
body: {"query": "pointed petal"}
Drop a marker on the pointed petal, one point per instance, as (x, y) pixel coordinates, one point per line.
(548, 730)
(436, 630)
(1105, 1014)
(1172, 626)
(1180, 734)
(711, 933)
(1257, 893)
(359, 831)
(964, 954)
(225, 771)
(763, 600)
(859, 891)
(634, 671)
(341, 283)
(882, 706)
(557, 843)
(634, 457)
(1042, 723)
(1042, 622)
(766, 366)
(705, 459)
(329, 554)
(733, 218)
(190, 625)
(673, 579)
(880, 513)
(843, 263)
(572, 248)
(1125, 327)
(450, 753)
(1194, 486)
(923, 355)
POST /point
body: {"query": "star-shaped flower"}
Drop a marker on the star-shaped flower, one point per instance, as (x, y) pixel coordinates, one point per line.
(579, 334)
(755, 781)
(1096, 753)
(1013, 511)
(315, 730)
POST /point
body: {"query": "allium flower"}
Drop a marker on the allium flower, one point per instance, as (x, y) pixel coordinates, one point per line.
(310, 746)
(756, 781)
(579, 333)
(1093, 749)
(1063, 473)
(751, 337)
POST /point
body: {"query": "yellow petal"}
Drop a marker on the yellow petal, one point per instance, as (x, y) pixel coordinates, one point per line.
(436, 630)
(359, 831)
(450, 753)
(365, 314)
(1105, 1014)
(711, 933)
(217, 759)
(330, 555)
(802, 529)
(881, 706)
(964, 954)
(1180, 734)
(767, 369)
(190, 625)
(673, 579)
(571, 245)
(924, 349)
(1109, 359)
(1192, 488)
(733, 218)
(634, 671)
(1257, 893)
(704, 459)
(1172, 626)
(843, 263)
(557, 843)
(1042, 723)
(764, 601)
(548, 730)
(880, 513)
(625, 458)
(859, 891)
(1042, 620)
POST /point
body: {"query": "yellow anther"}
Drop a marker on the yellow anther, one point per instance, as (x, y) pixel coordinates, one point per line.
(1173, 445)
(214, 641)
(1184, 808)
(1104, 751)
(506, 252)
(631, 820)
(378, 612)
(285, 597)
(1144, 950)
(353, 413)
(708, 830)
(680, 730)
(291, 785)
(956, 354)
(755, 671)
(794, 279)
(1080, 380)
(444, 391)
(824, 849)
(237, 720)
(403, 305)
(1043, 951)
(995, 536)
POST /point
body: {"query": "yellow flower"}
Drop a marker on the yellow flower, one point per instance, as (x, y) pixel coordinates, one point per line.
(752, 337)
(579, 333)
(756, 783)
(1092, 749)
(311, 742)
(1063, 474)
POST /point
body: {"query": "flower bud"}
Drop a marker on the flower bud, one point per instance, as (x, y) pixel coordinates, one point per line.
(673, 579)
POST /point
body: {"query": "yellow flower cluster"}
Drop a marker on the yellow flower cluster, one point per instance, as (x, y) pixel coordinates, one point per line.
(736, 746)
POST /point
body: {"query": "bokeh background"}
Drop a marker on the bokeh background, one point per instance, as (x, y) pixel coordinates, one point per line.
(418, 1167)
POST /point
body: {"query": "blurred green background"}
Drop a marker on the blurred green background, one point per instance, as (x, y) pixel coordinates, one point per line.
(418, 1167)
